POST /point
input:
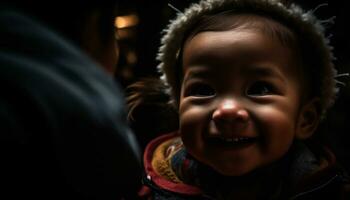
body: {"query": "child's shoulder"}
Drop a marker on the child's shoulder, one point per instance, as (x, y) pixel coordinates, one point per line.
(323, 177)
(159, 178)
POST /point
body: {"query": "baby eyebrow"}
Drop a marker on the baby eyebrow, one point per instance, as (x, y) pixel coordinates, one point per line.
(264, 72)
(249, 71)
(197, 74)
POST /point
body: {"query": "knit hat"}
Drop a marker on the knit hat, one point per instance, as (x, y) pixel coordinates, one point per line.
(314, 45)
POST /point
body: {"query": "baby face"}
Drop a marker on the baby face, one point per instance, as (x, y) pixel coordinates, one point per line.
(240, 99)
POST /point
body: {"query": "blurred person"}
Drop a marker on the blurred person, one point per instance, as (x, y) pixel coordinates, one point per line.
(63, 132)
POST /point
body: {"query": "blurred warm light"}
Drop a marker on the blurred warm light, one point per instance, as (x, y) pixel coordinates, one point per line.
(131, 57)
(123, 34)
(126, 72)
(126, 21)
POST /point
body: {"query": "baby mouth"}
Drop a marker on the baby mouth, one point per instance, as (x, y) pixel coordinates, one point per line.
(232, 142)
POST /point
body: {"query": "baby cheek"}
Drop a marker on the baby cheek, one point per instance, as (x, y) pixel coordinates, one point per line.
(191, 114)
(192, 127)
(278, 116)
(277, 130)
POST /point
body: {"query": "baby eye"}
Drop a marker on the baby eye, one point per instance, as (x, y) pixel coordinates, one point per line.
(260, 88)
(201, 90)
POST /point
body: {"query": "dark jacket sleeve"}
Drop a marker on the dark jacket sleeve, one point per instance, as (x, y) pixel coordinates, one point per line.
(56, 150)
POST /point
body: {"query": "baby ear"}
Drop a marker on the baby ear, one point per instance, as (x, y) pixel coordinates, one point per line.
(308, 120)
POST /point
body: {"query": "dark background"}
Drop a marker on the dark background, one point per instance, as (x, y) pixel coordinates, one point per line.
(144, 38)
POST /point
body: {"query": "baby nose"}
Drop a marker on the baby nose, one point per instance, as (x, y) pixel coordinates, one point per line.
(229, 111)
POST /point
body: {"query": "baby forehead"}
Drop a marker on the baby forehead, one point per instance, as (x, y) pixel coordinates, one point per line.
(245, 21)
(236, 47)
(231, 38)
(234, 41)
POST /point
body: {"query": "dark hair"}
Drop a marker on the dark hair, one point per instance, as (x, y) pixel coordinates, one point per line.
(150, 110)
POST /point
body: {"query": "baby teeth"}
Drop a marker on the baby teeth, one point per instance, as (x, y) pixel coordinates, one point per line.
(234, 139)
